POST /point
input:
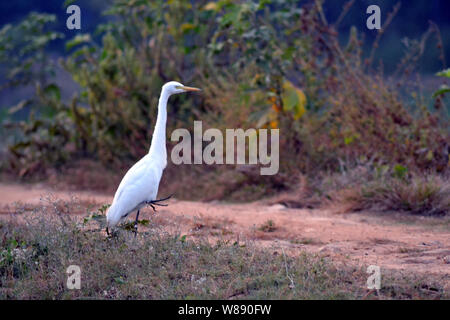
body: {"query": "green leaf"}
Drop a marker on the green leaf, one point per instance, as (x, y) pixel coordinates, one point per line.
(444, 73)
(186, 27)
(119, 280)
(104, 55)
(349, 140)
(400, 171)
(103, 208)
(442, 90)
(288, 53)
(13, 243)
(144, 222)
(294, 100)
(263, 4)
(77, 40)
(53, 91)
(68, 3)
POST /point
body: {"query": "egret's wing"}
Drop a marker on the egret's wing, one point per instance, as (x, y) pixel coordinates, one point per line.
(138, 185)
(133, 176)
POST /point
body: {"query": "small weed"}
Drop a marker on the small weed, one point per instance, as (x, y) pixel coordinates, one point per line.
(306, 241)
(418, 195)
(268, 226)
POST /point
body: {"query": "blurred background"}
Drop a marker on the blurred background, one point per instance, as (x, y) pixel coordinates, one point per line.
(355, 106)
(411, 21)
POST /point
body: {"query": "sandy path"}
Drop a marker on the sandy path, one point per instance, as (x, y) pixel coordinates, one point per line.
(416, 245)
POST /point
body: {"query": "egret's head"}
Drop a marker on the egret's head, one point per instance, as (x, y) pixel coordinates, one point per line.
(174, 87)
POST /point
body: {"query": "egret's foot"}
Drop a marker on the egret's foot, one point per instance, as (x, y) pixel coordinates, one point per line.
(154, 203)
(111, 234)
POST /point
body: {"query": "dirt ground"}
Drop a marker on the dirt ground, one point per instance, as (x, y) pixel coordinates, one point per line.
(395, 241)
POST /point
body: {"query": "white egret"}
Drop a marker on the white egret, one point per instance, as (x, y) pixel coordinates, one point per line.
(139, 186)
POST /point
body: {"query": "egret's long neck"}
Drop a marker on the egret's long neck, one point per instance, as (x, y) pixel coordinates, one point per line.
(158, 146)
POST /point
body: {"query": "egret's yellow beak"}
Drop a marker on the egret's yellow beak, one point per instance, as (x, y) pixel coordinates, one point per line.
(189, 89)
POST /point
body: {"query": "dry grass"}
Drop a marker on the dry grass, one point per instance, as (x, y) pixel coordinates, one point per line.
(370, 186)
(419, 195)
(157, 265)
(211, 227)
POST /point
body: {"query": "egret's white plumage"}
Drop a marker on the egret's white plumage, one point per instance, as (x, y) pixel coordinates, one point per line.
(140, 184)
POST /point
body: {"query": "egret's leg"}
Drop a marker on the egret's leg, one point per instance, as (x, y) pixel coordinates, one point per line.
(136, 223)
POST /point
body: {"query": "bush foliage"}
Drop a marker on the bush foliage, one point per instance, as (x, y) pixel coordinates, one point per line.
(266, 63)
